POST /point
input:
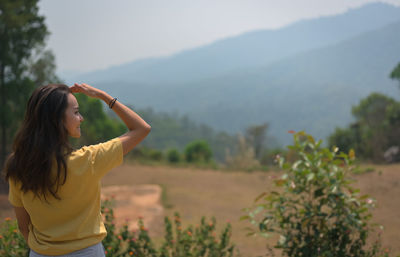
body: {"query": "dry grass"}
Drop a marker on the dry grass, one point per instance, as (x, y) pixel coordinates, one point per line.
(196, 193)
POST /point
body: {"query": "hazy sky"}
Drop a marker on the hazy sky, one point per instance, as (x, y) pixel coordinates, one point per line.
(94, 34)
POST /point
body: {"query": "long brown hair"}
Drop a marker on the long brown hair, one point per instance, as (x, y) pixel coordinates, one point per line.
(41, 142)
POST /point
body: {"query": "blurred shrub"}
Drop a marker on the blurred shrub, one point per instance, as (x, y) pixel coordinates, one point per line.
(145, 154)
(316, 212)
(375, 129)
(178, 241)
(269, 157)
(155, 155)
(12, 243)
(344, 139)
(244, 158)
(198, 151)
(199, 241)
(173, 156)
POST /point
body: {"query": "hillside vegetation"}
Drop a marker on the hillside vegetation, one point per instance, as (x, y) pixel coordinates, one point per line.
(304, 76)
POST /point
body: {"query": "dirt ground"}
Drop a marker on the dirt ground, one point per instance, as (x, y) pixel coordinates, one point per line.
(195, 193)
(131, 202)
(154, 192)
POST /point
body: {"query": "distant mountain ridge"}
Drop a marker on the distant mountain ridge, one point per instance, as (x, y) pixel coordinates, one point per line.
(250, 49)
(312, 91)
(299, 86)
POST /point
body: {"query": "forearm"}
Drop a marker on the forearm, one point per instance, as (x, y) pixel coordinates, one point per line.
(128, 116)
(24, 221)
(25, 233)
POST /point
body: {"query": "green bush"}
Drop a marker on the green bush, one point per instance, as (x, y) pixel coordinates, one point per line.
(244, 158)
(345, 139)
(178, 241)
(155, 155)
(268, 158)
(198, 151)
(145, 154)
(315, 211)
(173, 156)
(199, 241)
(124, 242)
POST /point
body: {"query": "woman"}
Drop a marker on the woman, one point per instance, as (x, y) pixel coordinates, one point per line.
(55, 190)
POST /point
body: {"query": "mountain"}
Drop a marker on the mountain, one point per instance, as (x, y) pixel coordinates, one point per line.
(293, 87)
(248, 50)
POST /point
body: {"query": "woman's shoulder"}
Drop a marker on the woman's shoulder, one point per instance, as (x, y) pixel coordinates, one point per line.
(88, 150)
(100, 157)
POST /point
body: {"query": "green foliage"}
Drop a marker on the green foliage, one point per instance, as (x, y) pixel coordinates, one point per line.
(370, 109)
(269, 157)
(395, 74)
(18, 93)
(175, 131)
(42, 67)
(156, 155)
(173, 156)
(146, 155)
(178, 242)
(124, 242)
(22, 29)
(344, 139)
(199, 241)
(198, 151)
(12, 243)
(375, 130)
(316, 212)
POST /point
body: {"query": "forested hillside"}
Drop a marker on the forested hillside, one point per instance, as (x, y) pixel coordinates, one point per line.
(304, 76)
(173, 131)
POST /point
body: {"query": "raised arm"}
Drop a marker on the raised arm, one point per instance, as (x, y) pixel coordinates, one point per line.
(138, 128)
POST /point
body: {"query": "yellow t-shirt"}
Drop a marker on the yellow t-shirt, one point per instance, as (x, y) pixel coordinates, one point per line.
(74, 222)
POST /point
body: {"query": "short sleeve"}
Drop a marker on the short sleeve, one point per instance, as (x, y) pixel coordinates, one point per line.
(104, 156)
(14, 194)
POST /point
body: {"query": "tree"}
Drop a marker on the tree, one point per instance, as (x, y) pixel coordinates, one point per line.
(371, 115)
(22, 29)
(371, 108)
(375, 130)
(42, 67)
(396, 73)
(255, 136)
(344, 139)
(244, 157)
(377, 126)
(198, 151)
